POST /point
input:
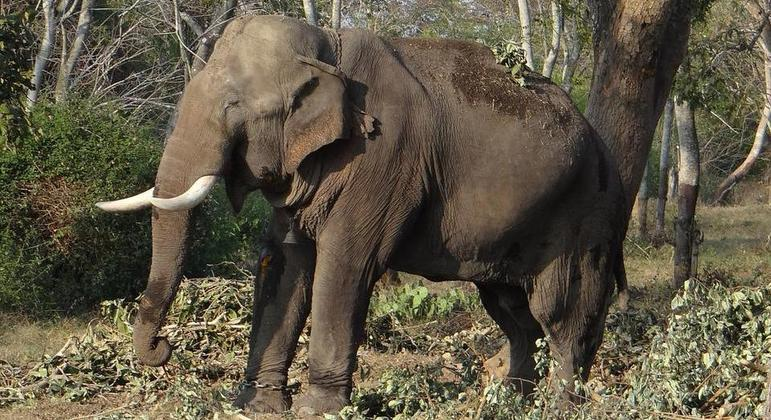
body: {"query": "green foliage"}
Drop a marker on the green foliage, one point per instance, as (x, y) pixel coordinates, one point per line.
(15, 46)
(393, 313)
(208, 323)
(711, 355)
(458, 19)
(221, 243)
(511, 56)
(413, 302)
(57, 251)
(404, 393)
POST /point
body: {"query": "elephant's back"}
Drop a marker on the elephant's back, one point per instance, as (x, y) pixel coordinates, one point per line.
(467, 73)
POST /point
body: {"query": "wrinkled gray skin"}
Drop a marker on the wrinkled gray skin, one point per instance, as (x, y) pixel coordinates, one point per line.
(415, 155)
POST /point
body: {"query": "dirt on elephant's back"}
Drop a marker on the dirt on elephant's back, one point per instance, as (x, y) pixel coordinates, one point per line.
(470, 69)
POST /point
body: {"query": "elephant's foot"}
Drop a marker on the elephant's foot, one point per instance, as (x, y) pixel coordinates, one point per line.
(319, 400)
(263, 401)
(498, 366)
(521, 375)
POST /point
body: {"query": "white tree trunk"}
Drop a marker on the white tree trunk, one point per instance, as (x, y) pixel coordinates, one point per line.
(666, 137)
(761, 134)
(46, 44)
(557, 21)
(642, 205)
(672, 193)
(310, 12)
(688, 192)
(64, 79)
(524, 23)
(571, 51)
(337, 6)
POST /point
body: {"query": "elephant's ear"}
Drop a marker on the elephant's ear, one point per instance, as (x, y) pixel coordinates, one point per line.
(318, 114)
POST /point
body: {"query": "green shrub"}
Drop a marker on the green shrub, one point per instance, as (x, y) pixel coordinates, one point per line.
(710, 356)
(57, 251)
(223, 244)
(413, 302)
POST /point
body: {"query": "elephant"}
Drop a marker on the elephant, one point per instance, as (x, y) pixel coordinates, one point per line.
(418, 155)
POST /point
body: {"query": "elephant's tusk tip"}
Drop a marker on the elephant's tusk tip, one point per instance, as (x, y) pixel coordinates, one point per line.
(137, 202)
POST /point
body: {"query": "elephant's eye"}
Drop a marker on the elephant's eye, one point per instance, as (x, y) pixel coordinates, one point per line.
(230, 104)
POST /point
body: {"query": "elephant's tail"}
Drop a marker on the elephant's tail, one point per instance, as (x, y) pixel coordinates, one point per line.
(619, 272)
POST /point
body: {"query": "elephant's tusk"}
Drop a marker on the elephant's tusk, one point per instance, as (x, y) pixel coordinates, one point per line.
(137, 202)
(190, 198)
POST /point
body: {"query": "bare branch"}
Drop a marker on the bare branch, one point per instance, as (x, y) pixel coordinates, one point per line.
(184, 51)
(198, 29)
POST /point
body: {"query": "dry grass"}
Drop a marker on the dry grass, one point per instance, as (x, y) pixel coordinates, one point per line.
(23, 340)
(736, 240)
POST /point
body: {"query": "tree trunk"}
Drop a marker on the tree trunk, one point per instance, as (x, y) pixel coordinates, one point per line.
(761, 133)
(524, 23)
(184, 49)
(310, 12)
(688, 192)
(666, 137)
(557, 21)
(638, 46)
(206, 40)
(46, 44)
(642, 206)
(337, 6)
(64, 79)
(572, 52)
(210, 36)
(673, 175)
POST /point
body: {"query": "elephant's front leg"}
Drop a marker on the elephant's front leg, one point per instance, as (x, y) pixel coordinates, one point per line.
(341, 292)
(281, 306)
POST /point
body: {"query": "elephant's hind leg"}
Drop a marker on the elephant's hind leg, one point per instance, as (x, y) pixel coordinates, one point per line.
(570, 300)
(508, 306)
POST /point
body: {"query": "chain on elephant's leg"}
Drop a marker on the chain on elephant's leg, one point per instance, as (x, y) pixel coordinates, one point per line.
(282, 304)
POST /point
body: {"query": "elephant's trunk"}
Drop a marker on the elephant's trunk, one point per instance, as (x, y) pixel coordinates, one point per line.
(182, 165)
(170, 231)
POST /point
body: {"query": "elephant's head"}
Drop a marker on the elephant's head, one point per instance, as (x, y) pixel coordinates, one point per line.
(269, 97)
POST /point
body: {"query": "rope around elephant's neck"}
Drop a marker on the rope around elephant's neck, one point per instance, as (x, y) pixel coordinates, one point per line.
(338, 47)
